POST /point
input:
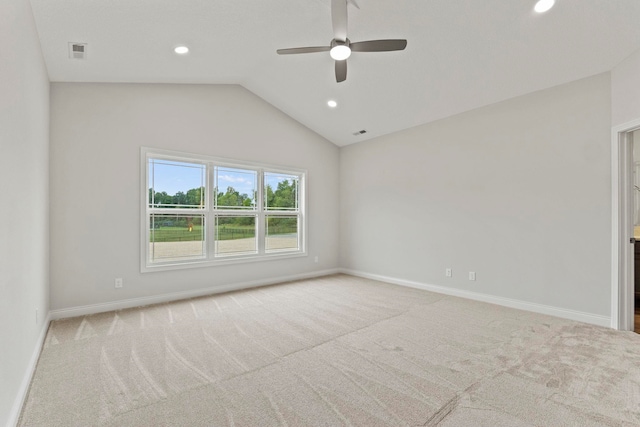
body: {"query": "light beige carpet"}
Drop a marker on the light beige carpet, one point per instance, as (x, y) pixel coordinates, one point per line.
(333, 351)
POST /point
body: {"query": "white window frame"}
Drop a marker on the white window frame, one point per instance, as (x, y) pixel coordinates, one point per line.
(210, 212)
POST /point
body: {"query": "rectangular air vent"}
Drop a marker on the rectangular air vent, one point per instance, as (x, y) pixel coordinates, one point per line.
(77, 50)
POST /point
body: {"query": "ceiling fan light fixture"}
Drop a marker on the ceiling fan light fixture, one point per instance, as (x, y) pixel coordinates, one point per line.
(544, 5)
(340, 52)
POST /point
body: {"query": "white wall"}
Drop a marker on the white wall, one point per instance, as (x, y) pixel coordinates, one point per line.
(625, 90)
(24, 232)
(96, 134)
(518, 192)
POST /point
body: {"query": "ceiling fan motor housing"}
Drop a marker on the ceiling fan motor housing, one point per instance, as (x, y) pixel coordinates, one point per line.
(336, 42)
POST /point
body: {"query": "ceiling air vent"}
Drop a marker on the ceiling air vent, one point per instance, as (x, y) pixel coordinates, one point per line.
(360, 132)
(77, 51)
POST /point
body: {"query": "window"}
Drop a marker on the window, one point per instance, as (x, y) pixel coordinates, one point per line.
(200, 210)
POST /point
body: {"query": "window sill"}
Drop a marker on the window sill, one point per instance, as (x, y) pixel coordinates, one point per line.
(181, 265)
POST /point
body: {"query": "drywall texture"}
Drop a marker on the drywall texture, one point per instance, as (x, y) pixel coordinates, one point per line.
(518, 192)
(24, 167)
(96, 134)
(625, 90)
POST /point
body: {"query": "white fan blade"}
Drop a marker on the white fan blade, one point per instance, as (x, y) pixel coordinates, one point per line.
(294, 50)
(378, 45)
(341, 71)
(339, 19)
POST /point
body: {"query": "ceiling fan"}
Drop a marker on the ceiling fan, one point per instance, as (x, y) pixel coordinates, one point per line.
(341, 47)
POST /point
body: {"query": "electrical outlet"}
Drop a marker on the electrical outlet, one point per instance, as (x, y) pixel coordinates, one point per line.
(118, 282)
(448, 272)
(472, 275)
(315, 259)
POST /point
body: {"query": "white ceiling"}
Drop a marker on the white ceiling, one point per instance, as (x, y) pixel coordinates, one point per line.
(461, 54)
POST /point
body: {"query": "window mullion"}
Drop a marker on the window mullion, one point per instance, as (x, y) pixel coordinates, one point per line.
(210, 205)
(175, 211)
(260, 219)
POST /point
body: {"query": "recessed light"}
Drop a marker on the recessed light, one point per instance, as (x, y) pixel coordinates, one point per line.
(181, 50)
(332, 103)
(544, 5)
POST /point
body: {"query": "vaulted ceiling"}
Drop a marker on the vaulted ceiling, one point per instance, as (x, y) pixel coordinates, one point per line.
(461, 54)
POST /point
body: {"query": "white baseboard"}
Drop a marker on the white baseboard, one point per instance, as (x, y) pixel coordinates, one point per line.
(564, 313)
(28, 375)
(174, 296)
